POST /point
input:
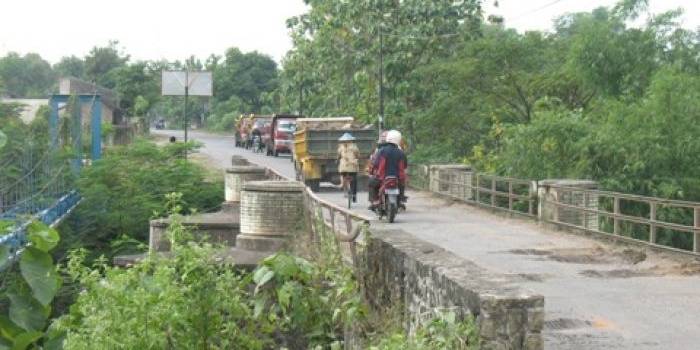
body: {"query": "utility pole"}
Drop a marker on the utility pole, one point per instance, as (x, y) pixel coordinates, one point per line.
(301, 86)
(381, 66)
(187, 91)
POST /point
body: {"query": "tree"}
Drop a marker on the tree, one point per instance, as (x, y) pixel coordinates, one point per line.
(27, 76)
(245, 75)
(101, 61)
(134, 80)
(70, 66)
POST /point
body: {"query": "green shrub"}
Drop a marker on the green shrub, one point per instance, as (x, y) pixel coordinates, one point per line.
(127, 188)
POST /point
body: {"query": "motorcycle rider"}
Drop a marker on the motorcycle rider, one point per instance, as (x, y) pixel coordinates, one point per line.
(390, 161)
(373, 181)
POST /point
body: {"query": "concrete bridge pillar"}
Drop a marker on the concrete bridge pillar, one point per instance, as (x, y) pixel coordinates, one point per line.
(454, 180)
(564, 191)
(238, 175)
(271, 211)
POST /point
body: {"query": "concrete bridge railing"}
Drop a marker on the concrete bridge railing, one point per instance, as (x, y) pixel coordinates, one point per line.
(576, 205)
(399, 270)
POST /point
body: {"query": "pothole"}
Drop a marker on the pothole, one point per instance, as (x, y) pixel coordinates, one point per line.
(529, 252)
(529, 277)
(619, 273)
(565, 323)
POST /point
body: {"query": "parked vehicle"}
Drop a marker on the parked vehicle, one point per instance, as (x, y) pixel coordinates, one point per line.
(281, 138)
(388, 198)
(316, 149)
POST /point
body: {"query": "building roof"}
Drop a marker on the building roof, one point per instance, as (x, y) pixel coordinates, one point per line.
(70, 85)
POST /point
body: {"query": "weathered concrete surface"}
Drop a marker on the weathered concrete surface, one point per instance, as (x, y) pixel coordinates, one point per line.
(597, 296)
(400, 269)
(218, 228)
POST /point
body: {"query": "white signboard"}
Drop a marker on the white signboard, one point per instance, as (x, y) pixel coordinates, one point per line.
(198, 83)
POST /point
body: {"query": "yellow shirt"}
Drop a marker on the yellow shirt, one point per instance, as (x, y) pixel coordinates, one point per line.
(349, 155)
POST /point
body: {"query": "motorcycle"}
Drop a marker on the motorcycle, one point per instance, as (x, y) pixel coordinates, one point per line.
(389, 198)
(257, 144)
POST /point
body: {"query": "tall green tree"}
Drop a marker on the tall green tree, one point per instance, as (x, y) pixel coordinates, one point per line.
(102, 61)
(28, 76)
(244, 75)
(70, 66)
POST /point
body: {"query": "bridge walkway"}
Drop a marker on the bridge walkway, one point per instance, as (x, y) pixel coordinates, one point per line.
(597, 296)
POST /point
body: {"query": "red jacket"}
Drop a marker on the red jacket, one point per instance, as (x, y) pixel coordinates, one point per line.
(391, 161)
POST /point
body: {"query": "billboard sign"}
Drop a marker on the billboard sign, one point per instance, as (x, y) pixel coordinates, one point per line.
(198, 83)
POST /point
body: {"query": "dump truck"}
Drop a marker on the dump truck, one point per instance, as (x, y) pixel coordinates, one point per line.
(281, 134)
(316, 149)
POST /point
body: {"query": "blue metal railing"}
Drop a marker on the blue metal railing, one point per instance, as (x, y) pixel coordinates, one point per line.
(16, 240)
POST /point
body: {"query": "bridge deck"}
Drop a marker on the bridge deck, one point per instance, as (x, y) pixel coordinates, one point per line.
(597, 296)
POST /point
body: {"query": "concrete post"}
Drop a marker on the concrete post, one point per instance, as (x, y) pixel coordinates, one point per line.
(236, 176)
(452, 180)
(239, 160)
(271, 211)
(548, 193)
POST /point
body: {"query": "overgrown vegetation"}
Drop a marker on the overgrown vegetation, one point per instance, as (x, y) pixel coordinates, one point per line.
(194, 299)
(27, 289)
(127, 188)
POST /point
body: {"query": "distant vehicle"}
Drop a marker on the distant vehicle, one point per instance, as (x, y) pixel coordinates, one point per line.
(316, 149)
(244, 128)
(281, 138)
(248, 125)
(160, 124)
(263, 123)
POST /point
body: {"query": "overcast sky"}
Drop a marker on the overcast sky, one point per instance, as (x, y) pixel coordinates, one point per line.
(175, 29)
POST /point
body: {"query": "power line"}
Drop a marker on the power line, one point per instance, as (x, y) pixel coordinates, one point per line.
(538, 9)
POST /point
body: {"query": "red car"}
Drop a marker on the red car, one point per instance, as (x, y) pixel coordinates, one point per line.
(281, 138)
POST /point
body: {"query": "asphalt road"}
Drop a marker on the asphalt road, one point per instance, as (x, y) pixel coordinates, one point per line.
(596, 296)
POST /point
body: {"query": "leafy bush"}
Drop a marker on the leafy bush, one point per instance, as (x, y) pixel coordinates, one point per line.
(127, 188)
(193, 300)
(442, 332)
(28, 289)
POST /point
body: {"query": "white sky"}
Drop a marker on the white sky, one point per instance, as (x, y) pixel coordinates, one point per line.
(175, 29)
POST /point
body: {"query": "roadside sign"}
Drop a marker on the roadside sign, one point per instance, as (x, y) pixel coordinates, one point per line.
(181, 83)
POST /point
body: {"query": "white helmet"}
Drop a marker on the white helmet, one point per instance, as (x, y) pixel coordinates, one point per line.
(394, 136)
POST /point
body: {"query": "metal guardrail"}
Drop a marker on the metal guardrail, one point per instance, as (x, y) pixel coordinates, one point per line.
(501, 193)
(617, 220)
(627, 217)
(16, 240)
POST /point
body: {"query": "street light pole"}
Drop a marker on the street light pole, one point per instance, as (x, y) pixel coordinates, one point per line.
(186, 93)
(301, 86)
(381, 66)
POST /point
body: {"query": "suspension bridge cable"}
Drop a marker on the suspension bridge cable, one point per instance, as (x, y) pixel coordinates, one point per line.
(36, 166)
(36, 194)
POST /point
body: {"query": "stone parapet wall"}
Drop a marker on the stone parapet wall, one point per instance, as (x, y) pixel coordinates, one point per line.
(401, 270)
(217, 228)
